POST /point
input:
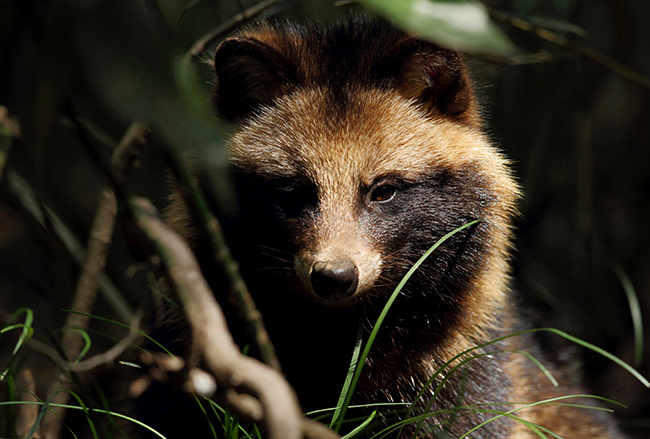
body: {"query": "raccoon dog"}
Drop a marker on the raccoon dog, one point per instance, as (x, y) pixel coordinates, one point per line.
(354, 149)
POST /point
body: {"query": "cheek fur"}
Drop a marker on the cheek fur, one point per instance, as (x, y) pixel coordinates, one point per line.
(423, 213)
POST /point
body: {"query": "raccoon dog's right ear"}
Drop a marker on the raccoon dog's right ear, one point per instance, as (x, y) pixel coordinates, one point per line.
(249, 74)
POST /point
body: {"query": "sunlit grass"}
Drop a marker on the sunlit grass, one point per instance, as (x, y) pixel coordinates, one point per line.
(384, 420)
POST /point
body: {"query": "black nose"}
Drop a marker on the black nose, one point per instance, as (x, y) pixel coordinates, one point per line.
(334, 280)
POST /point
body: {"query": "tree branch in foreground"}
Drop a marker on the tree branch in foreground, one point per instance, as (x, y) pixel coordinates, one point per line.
(251, 389)
(588, 52)
(195, 200)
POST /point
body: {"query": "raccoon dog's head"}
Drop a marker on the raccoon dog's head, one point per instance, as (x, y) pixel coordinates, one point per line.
(355, 148)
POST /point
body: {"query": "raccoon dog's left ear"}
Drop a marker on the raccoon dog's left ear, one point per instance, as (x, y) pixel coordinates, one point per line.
(249, 74)
(437, 79)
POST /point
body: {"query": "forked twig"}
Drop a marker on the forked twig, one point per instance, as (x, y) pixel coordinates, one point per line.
(247, 386)
(204, 42)
(195, 200)
(587, 52)
(86, 291)
(106, 357)
(99, 242)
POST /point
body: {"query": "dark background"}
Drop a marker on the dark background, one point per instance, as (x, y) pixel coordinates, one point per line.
(576, 127)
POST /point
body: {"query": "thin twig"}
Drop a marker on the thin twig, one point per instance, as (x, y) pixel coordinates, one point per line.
(93, 267)
(248, 14)
(106, 357)
(587, 52)
(110, 355)
(527, 58)
(99, 242)
(195, 200)
(86, 291)
(58, 386)
(239, 377)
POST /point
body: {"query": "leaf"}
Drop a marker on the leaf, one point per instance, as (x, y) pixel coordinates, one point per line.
(460, 24)
(26, 334)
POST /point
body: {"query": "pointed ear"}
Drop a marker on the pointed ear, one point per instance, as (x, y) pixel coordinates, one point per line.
(249, 74)
(437, 79)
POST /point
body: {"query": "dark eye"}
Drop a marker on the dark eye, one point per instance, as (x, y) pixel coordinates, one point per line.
(383, 193)
(292, 195)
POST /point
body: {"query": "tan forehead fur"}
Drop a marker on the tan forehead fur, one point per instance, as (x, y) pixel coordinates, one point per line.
(381, 134)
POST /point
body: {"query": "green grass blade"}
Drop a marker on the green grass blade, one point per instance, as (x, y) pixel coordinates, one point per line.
(124, 325)
(87, 341)
(86, 412)
(41, 413)
(126, 418)
(205, 413)
(550, 401)
(635, 311)
(228, 420)
(348, 378)
(539, 365)
(26, 334)
(600, 351)
(74, 407)
(361, 427)
(555, 331)
(383, 314)
(439, 388)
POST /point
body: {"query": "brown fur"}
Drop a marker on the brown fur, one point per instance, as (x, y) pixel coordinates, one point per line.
(328, 117)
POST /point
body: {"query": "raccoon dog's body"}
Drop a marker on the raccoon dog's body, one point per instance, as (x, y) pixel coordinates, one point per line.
(354, 149)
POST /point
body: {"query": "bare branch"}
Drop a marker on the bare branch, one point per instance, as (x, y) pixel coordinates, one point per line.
(128, 149)
(245, 384)
(86, 292)
(99, 242)
(106, 357)
(587, 52)
(195, 200)
(202, 44)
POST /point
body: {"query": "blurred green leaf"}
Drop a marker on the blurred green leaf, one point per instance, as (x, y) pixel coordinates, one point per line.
(27, 333)
(152, 81)
(461, 24)
(190, 89)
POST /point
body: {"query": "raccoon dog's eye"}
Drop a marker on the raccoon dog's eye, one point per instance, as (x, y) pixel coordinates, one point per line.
(291, 194)
(383, 193)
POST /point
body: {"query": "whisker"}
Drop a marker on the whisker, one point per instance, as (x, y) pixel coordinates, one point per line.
(289, 269)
